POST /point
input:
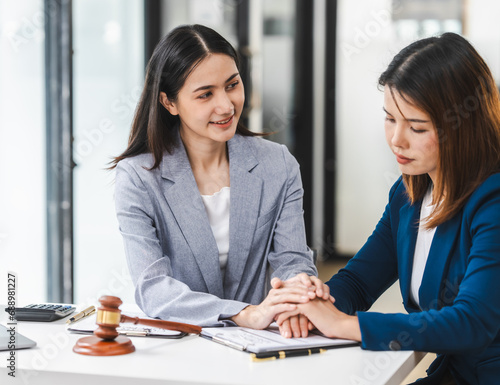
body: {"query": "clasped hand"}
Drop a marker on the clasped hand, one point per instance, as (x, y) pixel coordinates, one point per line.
(318, 312)
(283, 300)
(299, 305)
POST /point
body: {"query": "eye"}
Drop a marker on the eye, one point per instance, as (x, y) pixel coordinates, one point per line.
(205, 95)
(233, 85)
(417, 131)
(389, 119)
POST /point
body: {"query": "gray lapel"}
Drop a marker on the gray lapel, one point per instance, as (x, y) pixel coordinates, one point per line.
(246, 190)
(183, 198)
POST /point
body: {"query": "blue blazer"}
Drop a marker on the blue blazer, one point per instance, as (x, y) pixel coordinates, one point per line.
(459, 316)
(170, 248)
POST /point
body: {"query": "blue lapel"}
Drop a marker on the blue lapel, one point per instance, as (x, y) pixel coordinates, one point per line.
(406, 240)
(436, 267)
(184, 199)
(246, 190)
(438, 261)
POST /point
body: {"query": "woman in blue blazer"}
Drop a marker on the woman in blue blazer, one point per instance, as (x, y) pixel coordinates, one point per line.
(440, 232)
(209, 212)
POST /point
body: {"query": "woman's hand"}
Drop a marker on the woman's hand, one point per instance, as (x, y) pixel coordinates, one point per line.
(296, 326)
(315, 286)
(299, 325)
(326, 318)
(284, 299)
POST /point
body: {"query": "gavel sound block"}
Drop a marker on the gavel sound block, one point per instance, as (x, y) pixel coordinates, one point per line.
(107, 342)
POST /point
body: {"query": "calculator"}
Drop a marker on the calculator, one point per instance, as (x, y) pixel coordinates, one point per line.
(41, 312)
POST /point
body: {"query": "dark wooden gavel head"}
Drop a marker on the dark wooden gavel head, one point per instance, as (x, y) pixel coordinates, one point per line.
(105, 341)
(108, 317)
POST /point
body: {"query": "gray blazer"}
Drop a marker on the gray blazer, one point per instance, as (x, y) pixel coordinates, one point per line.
(170, 248)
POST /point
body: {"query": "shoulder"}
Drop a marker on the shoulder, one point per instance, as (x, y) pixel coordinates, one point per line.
(269, 153)
(136, 170)
(481, 213)
(490, 186)
(260, 145)
(398, 195)
(486, 194)
(137, 161)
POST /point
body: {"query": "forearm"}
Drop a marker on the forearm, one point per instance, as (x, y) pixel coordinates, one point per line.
(169, 299)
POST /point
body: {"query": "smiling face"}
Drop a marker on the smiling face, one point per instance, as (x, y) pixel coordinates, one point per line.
(411, 135)
(210, 102)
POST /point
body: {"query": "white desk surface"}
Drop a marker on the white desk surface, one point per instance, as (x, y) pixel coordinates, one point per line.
(191, 360)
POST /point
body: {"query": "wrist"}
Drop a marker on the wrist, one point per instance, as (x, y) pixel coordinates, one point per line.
(353, 331)
(243, 317)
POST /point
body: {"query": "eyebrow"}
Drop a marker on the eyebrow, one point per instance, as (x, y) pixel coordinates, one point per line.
(211, 86)
(408, 120)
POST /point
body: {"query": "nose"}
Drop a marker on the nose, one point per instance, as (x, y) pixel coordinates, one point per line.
(224, 105)
(398, 138)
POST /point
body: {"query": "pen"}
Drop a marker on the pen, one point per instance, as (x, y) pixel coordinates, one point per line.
(285, 354)
(84, 313)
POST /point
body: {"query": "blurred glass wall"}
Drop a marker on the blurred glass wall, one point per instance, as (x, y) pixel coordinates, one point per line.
(108, 78)
(22, 149)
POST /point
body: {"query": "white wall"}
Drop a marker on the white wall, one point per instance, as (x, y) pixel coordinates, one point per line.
(365, 166)
(483, 31)
(22, 150)
(108, 80)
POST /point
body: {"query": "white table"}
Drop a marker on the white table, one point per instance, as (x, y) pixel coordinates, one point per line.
(192, 360)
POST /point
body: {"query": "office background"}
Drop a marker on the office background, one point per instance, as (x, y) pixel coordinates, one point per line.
(310, 69)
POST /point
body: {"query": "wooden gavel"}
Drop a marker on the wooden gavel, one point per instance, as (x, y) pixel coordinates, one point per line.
(106, 340)
(109, 318)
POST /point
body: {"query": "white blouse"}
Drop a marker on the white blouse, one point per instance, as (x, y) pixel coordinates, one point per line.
(217, 206)
(422, 247)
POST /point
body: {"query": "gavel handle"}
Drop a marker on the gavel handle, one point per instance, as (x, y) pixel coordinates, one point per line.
(160, 324)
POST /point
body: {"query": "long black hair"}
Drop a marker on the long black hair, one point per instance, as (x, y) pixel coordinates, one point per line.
(154, 129)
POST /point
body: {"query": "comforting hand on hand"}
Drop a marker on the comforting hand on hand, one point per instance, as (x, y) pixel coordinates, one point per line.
(326, 318)
(279, 300)
(299, 325)
(315, 287)
(299, 305)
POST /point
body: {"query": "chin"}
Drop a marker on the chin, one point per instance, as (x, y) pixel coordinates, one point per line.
(224, 136)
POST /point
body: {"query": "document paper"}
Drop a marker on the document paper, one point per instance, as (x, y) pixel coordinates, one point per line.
(268, 340)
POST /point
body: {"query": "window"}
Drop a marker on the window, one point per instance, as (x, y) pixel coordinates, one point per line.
(108, 77)
(22, 148)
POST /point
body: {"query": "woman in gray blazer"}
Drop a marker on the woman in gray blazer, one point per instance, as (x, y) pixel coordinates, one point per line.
(209, 212)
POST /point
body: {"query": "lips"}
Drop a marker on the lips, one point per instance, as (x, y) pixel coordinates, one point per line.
(403, 159)
(225, 122)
